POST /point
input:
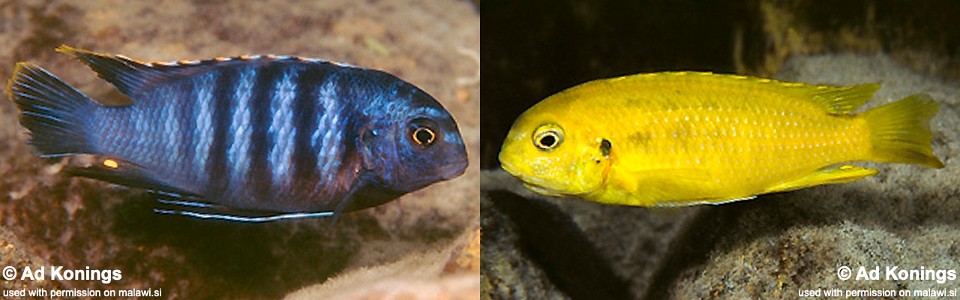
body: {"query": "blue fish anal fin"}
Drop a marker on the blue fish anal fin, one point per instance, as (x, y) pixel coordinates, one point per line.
(118, 171)
(203, 210)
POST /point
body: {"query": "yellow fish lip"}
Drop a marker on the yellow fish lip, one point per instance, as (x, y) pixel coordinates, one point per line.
(542, 190)
(509, 168)
(529, 183)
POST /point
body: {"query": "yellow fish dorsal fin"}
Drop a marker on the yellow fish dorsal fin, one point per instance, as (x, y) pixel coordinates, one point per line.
(837, 100)
(828, 175)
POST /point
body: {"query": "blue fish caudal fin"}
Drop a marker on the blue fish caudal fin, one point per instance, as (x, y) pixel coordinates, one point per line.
(57, 115)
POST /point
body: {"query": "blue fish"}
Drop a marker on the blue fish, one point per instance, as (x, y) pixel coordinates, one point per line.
(250, 138)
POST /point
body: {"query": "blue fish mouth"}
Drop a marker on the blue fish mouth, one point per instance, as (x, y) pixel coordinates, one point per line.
(453, 170)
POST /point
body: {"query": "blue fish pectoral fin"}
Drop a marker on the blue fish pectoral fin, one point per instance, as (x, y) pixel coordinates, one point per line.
(828, 175)
(365, 149)
(204, 210)
(118, 171)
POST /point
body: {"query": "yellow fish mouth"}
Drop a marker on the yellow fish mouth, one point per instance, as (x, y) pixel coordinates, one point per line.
(542, 190)
(529, 183)
(509, 168)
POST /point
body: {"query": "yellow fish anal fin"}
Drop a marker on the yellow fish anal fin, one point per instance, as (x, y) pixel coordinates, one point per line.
(710, 201)
(840, 100)
(828, 175)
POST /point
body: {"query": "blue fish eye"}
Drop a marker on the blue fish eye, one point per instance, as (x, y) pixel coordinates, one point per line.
(424, 136)
(422, 132)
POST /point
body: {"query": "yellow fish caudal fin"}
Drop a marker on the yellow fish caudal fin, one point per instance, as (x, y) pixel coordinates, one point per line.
(899, 131)
(687, 138)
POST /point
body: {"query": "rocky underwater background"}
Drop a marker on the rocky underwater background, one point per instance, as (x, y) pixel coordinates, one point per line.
(427, 244)
(424, 245)
(775, 246)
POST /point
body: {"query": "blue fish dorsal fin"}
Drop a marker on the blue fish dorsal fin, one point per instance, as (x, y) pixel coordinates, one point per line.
(133, 77)
(128, 75)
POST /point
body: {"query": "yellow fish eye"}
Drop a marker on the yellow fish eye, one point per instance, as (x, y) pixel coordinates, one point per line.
(548, 137)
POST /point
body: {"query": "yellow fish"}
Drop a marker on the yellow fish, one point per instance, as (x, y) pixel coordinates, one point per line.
(686, 138)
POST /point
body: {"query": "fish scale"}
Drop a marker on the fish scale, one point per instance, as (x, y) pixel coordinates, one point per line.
(741, 158)
(738, 158)
(281, 128)
(203, 129)
(322, 136)
(686, 138)
(252, 138)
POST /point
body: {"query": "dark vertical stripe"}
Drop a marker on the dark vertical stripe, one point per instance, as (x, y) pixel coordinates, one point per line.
(307, 112)
(353, 89)
(260, 176)
(218, 178)
(188, 121)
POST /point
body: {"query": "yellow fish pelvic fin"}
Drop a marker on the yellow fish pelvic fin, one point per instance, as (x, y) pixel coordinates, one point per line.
(900, 132)
(828, 175)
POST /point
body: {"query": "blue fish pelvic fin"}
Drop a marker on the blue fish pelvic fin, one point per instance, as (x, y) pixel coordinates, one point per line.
(56, 114)
(204, 210)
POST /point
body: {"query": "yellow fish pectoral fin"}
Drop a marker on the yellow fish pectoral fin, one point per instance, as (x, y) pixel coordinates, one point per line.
(828, 175)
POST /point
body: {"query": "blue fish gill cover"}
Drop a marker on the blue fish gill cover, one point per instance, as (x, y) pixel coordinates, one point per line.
(250, 138)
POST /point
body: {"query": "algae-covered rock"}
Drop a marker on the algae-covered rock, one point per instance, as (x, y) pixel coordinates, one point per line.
(444, 272)
(14, 254)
